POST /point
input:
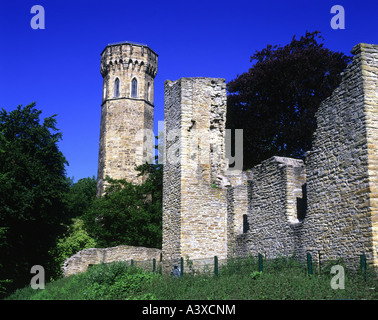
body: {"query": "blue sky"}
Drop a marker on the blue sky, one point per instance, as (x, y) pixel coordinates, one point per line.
(59, 67)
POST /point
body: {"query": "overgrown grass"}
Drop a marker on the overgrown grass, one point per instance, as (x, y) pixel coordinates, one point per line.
(280, 279)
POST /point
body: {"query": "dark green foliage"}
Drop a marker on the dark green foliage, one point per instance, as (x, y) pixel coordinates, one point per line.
(32, 187)
(128, 214)
(78, 199)
(80, 196)
(276, 100)
(3, 282)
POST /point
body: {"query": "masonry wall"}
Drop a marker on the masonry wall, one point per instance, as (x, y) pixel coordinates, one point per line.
(195, 216)
(80, 261)
(275, 188)
(237, 213)
(171, 248)
(342, 167)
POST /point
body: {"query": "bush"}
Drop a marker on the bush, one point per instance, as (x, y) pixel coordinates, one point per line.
(75, 240)
(116, 280)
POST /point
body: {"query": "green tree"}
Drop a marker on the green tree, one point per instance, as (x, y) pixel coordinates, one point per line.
(78, 199)
(3, 243)
(276, 100)
(74, 240)
(128, 214)
(80, 196)
(32, 188)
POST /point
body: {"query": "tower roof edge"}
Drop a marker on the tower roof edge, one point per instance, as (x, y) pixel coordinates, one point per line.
(128, 42)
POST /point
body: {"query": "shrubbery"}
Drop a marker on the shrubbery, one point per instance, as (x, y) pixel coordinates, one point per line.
(281, 279)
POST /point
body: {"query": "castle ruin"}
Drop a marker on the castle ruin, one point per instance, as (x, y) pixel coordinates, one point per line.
(326, 205)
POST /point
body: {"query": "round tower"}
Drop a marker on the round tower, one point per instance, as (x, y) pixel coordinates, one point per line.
(126, 134)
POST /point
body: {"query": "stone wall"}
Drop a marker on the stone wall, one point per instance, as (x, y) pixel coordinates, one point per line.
(342, 167)
(194, 206)
(80, 261)
(237, 208)
(172, 174)
(275, 189)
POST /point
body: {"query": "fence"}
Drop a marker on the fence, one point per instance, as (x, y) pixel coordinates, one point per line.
(216, 267)
(147, 265)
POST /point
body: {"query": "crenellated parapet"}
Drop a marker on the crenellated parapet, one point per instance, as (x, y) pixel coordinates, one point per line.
(129, 56)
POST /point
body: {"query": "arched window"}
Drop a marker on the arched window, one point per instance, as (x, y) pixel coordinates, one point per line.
(148, 91)
(104, 95)
(134, 88)
(105, 90)
(116, 88)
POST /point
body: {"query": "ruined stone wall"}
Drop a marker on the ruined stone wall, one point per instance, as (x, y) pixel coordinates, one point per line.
(275, 187)
(342, 167)
(194, 204)
(172, 174)
(237, 213)
(80, 261)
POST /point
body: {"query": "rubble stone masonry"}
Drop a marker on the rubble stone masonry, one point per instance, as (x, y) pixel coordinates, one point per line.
(80, 261)
(342, 167)
(194, 203)
(326, 205)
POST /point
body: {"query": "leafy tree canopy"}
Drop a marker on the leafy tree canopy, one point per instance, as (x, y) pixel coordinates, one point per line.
(128, 214)
(80, 196)
(32, 187)
(276, 100)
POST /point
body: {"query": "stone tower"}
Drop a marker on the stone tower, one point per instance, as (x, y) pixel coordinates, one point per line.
(194, 206)
(126, 133)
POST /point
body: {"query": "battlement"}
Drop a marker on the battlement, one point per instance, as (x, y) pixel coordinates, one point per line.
(129, 55)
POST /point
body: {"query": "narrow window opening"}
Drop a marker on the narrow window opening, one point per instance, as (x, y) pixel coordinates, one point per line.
(134, 88)
(104, 95)
(245, 223)
(148, 91)
(116, 88)
(302, 204)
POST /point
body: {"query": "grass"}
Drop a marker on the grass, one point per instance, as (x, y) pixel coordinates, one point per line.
(280, 279)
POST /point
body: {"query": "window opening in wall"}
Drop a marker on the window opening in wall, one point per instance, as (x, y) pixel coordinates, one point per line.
(134, 88)
(245, 223)
(104, 96)
(302, 204)
(148, 91)
(116, 88)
